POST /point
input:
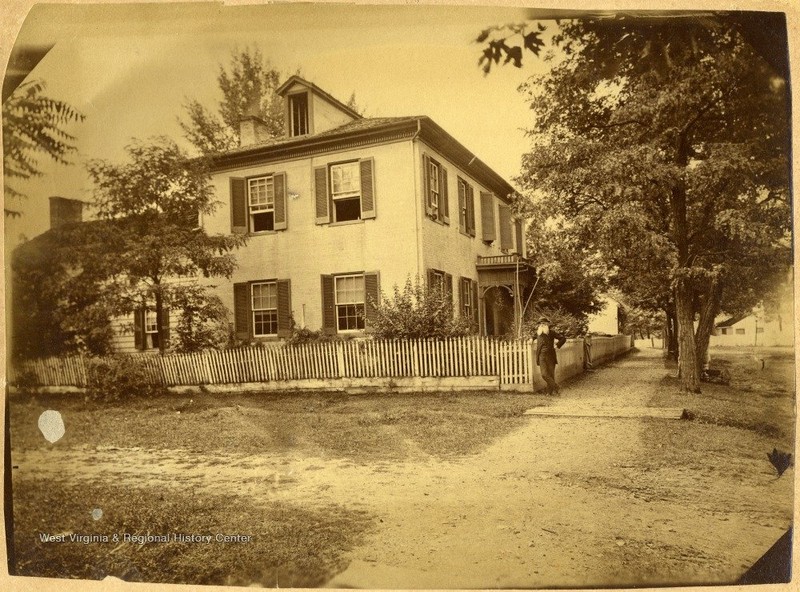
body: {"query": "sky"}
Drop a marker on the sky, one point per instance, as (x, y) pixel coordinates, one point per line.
(130, 69)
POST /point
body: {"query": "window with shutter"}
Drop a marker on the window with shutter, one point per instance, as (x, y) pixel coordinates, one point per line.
(470, 210)
(487, 217)
(466, 208)
(448, 290)
(467, 298)
(345, 191)
(475, 310)
(138, 329)
(435, 190)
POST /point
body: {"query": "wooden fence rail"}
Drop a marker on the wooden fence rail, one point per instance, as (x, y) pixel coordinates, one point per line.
(511, 361)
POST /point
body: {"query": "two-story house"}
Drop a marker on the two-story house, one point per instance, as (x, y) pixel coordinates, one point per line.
(345, 206)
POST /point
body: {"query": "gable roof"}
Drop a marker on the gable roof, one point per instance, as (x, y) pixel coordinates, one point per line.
(733, 320)
(283, 88)
(364, 132)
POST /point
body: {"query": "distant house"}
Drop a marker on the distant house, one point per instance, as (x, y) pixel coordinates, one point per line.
(758, 328)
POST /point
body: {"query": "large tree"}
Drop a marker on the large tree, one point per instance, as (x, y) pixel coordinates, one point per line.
(664, 141)
(155, 248)
(33, 126)
(248, 86)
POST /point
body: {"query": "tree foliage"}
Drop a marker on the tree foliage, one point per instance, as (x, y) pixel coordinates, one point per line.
(416, 312)
(664, 144)
(150, 208)
(248, 86)
(33, 126)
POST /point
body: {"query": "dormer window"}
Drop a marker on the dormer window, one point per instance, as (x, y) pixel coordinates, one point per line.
(298, 114)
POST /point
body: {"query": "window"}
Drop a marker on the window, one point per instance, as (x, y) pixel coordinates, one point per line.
(261, 203)
(435, 190)
(466, 208)
(298, 114)
(436, 279)
(258, 203)
(759, 329)
(435, 193)
(150, 321)
(264, 298)
(147, 333)
(724, 330)
(467, 298)
(350, 302)
(346, 191)
(740, 331)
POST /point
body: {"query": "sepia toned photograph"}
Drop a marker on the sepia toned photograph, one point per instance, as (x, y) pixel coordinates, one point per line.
(398, 296)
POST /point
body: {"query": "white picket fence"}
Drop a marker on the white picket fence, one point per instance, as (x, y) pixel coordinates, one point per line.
(511, 361)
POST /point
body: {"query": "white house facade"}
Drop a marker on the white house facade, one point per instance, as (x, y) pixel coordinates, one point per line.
(345, 207)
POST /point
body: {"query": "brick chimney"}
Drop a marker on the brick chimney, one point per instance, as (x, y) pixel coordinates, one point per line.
(252, 130)
(64, 210)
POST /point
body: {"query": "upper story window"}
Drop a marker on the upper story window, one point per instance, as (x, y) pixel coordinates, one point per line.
(435, 190)
(258, 203)
(349, 302)
(298, 114)
(264, 299)
(466, 208)
(147, 332)
(346, 191)
(261, 203)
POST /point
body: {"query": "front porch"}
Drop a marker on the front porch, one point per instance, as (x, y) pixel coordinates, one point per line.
(504, 284)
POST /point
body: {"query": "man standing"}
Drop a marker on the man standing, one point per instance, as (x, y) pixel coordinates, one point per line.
(546, 343)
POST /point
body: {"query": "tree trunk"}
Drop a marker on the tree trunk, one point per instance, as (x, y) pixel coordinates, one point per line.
(687, 356)
(708, 312)
(671, 334)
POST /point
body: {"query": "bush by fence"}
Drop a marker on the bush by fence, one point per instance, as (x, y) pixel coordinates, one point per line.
(511, 361)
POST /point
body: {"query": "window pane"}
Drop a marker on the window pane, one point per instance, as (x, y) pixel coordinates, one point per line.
(262, 193)
(350, 289)
(347, 209)
(345, 179)
(150, 322)
(265, 322)
(265, 296)
(262, 221)
(350, 317)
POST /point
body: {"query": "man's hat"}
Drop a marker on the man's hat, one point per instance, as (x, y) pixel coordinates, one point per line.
(544, 320)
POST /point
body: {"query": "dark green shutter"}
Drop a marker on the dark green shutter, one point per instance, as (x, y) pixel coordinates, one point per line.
(475, 312)
(241, 311)
(238, 206)
(284, 289)
(371, 297)
(321, 199)
(279, 185)
(163, 328)
(462, 205)
(506, 240)
(426, 184)
(470, 210)
(444, 198)
(431, 276)
(518, 236)
(367, 188)
(462, 295)
(328, 305)
(448, 288)
(138, 329)
(487, 217)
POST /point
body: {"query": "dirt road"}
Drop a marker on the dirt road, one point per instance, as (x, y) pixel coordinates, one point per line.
(563, 501)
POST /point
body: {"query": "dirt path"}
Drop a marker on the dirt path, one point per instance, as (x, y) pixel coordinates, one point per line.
(560, 502)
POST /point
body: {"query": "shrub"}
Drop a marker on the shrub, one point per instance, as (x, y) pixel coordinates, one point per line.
(561, 321)
(26, 382)
(417, 312)
(121, 377)
(304, 335)
(203, 323)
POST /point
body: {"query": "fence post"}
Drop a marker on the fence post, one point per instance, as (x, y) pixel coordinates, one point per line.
(340, 358)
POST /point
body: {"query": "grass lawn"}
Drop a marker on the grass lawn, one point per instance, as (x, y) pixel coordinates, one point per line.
(360, 427)
(289, 546)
